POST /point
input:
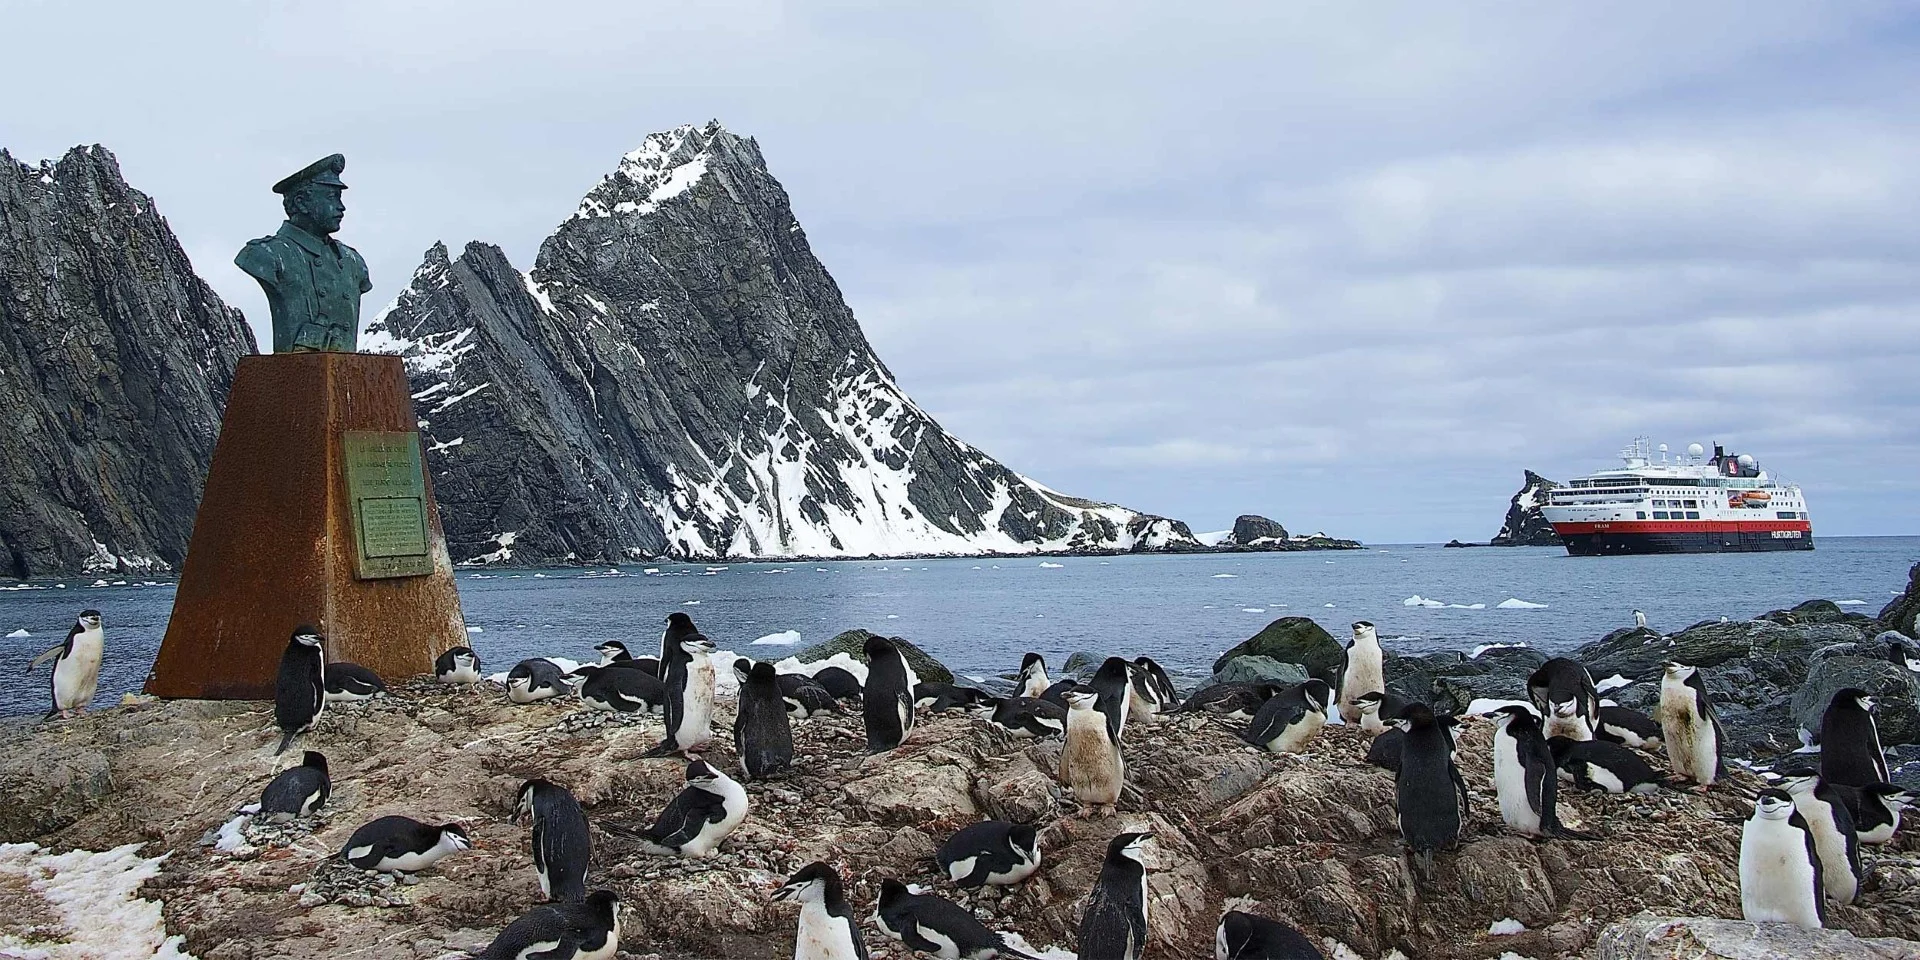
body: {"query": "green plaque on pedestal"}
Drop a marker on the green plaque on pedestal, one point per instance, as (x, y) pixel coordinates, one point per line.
(387, 484)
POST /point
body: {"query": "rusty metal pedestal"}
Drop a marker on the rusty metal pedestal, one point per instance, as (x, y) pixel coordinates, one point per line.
(283, 538)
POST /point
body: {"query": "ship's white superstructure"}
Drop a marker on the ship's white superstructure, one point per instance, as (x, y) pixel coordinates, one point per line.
(1689, 503)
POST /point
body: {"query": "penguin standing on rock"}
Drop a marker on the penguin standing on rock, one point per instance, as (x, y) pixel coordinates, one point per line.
(588, 930)
(76, 665)
(1780, 878)
(1363, 672)
(1243, 936)
(1850, 752)
(937, 926)
(762, 733)
(1834, 838)
(1286, 723)
(349, 682)
(1688, 725)
(1563, 691)
(679, 627)
(1524, 775)
(561, 843)
(1090, 763)
(1432, 796)
(700, 817)
(991, 852)
(396, 844)
(887, 700)
(828, 928)
(458, 665)
(300, 790)
(300, 691)
(1032, 681)
(688, 675)
(1114, 926)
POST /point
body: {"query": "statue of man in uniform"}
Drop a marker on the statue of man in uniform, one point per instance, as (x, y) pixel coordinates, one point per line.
(313, 282)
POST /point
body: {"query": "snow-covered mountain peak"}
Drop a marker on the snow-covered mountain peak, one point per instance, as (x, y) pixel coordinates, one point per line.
(666, 165)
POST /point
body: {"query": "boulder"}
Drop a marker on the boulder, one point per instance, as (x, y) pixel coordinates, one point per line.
(1774, 650)
(50, 795)
(1250, 669)
(1081, 661)
(1818, 611)
(853, 643)
(1895, 690)
(1903, 612)
(1648, 937)
(1450, 681)
(1292, 640)
(1250, 527)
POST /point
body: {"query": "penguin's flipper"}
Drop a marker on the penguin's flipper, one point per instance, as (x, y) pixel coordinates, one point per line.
(285, 741)
(51, 653)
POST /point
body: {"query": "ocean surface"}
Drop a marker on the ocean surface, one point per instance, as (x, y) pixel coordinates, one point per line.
(980, 616)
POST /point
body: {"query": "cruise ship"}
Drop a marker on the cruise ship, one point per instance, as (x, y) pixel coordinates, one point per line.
(1688, 503)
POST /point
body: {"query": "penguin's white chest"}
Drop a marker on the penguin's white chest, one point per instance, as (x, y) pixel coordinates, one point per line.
(1574, 727)
(1364, 675)
(1776, 879)
(1510, 783)
(77, 675)
(1023, 867)
(696, 724)
(1835, 871)
(1692, 748)
(1294, 739)
(733, 802)
(823, 936)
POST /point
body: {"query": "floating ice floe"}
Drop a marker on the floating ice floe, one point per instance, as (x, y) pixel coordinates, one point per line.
(689, 603)
(1226, 576)
(784, 638)
(1614, 682)
(1327, 605)
(1253, 609)
(1506, 928)
(1851, 603)
(893, 616)
(1483, 648)
(95, 896)
(1419, 601)
(651, 570)
(1046, 565)
(1515, 603)
(17, 634)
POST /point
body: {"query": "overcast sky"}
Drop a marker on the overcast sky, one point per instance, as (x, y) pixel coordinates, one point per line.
(1352, 267)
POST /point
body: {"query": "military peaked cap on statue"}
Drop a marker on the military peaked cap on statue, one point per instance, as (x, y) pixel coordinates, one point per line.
(323, 172)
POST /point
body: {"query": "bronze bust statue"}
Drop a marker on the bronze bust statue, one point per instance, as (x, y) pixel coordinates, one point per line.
(313, 282)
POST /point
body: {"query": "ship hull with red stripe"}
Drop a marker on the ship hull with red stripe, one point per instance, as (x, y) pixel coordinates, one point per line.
(1620, 537)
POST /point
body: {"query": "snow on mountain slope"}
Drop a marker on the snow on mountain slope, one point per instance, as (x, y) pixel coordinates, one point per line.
(679, 375)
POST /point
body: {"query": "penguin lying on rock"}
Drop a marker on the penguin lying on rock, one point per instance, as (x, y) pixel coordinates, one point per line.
(1288, 722)
(1027, 716)
(1599, 765)
(458, 665)
(937, 926)
(700, 817)
(300, 790)
(585, 930)
(349, 682)
(1244, 936)
(990, 852)
(396, 844)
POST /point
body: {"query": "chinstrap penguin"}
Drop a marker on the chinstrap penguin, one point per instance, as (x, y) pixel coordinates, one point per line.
(1602, 765)
(1030, 717)
(1524, 775)
(1834, 838)
(887, 700)
(562, 844)
(828, 929)
(1164, 691)
(1244, 936)
(762, 733)
(1850, 752)
(396, 844)
(679, 627)
(536, 679)
(611, 652)
(1688, 725)
(1145, 699)
(349, 682)
(585, 930)
(805, 697)
(990, 852)
(1780, 879)
(1032, 680)
(300, 790)
(300, 691)
(838, 681)
(1363, 671)
(1432, 796)
(1563, 692)
(939, 697)
(1620, 724)
(76, 665)
(458, 665)
(1378, 710)
(937, 926)
(1288, 722)
(1876, 809)
(1090, 763)
(1114, 926)
(1233, 700)
(701, 816)
(1112, 684)
(688, 675)
(617, 689)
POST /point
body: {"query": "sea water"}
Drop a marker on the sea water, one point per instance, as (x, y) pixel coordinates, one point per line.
(980, 615)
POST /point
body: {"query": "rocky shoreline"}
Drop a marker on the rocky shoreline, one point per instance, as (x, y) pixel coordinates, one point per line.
(1307, 838)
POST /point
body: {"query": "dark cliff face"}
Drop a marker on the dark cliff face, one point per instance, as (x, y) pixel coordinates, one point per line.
(117, 361)
(1525, 526)
(1250, 528)
(678, 375)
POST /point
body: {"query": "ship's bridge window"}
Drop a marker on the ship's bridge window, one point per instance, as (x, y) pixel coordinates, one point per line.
(1787, 515)
(1692, 503)
(1640, 514)
(1693, 514)
(1659, 514)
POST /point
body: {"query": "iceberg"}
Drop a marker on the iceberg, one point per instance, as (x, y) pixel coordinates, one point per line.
(1515, 603)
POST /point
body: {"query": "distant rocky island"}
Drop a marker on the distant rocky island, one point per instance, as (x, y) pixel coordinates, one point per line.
(677, 377)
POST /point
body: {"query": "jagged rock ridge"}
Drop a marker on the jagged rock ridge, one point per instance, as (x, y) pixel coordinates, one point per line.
(678, 375)
(1525, 526)
(117, 363)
